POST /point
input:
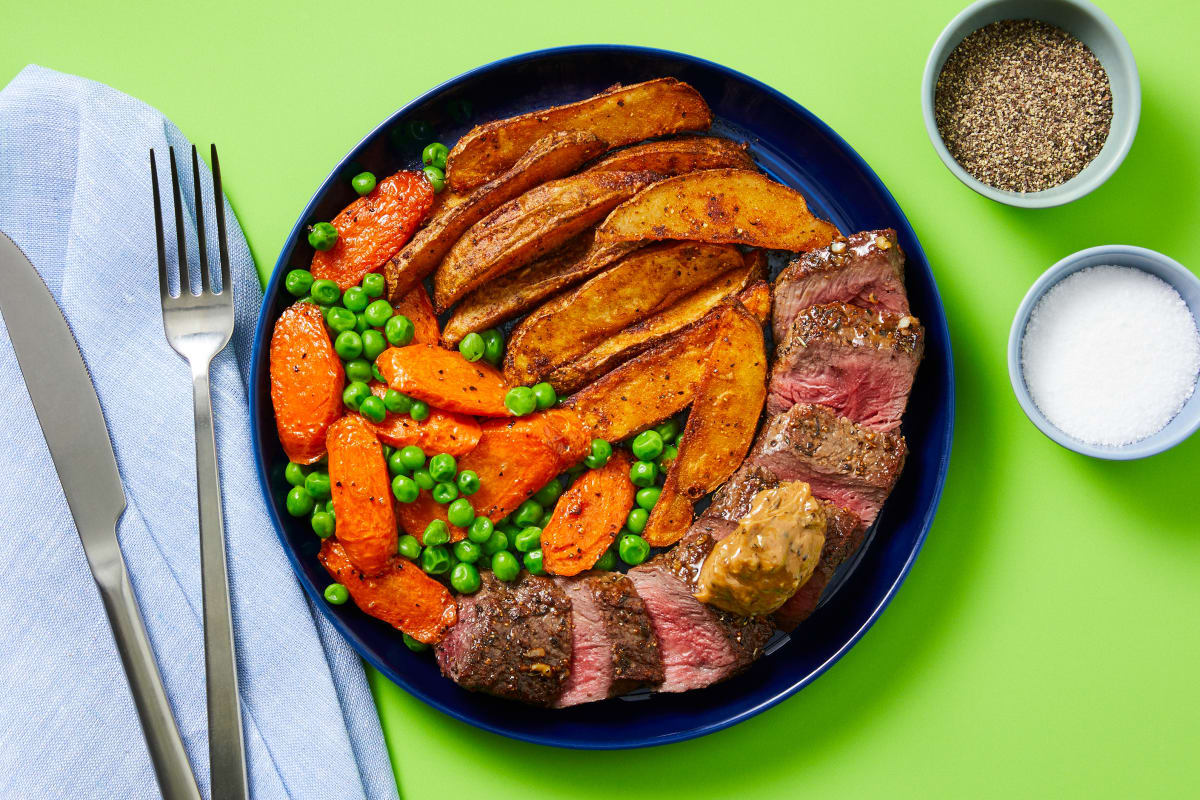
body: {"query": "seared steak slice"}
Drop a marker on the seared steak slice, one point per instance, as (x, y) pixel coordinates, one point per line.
(865, 270)
(860, 363)
(843, 535)
(848, 465)
(613, 649)
(512, 640)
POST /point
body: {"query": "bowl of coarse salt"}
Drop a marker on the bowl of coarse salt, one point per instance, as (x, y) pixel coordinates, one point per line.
(1104, 352)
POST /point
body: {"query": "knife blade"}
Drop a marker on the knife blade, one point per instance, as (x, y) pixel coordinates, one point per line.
(73, 424)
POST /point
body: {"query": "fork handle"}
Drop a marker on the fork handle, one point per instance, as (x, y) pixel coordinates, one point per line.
(227, 755)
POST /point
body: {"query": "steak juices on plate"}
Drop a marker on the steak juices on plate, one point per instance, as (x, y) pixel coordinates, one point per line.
(531, 233)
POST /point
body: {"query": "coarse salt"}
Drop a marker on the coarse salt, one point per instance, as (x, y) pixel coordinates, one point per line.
(1110, 355)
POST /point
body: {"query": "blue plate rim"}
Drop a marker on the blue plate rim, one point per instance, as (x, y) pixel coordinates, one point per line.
(257, 399)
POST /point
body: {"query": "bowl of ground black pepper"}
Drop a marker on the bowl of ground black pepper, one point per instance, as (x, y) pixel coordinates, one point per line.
(1032, 103)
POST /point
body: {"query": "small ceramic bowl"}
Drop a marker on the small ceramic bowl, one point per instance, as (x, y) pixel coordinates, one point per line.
(1085, 22)
(1185, 423)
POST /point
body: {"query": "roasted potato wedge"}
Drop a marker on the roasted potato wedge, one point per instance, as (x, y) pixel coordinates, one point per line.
(620, 116)
(623, 345)
(530, 226)
(719, 205)
(677, 156)
(510, 294)
(720, 426)
(550, 157)
(641, 285)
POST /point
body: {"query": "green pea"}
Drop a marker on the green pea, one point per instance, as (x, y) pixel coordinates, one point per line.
(467, 551)
(294, 474)
(354, 394)
(329, 506)
(436, 532)
(435, 560)
(387, 450)
(646, 498)
(423, 478)
(348, 345)
(358, 369)
(325, 292)
(436, 178)
(443, 467)
(298, 282)
(548, 494)
(647, 445)
(667, 430)
(549, 515)
(607, 562)
(405, 488)
(633, 549)
(378, 313)
(336, 594)
(471, 347)
(361, 325)
(528, 539)
(340, 320)
(412, 458)
(414, 645)
(643, 473)
(399, 330)
(544, 395)
(468, 482)
(322, 524)
(496, 543)
(409, 547)
(493, 346)
(434, 155)
(460, 512)
(636, 521)
(533, 562)
(398, 403)
(520, 401)
(299, 502)
(528, 513)
(373, 409)
(465, 578)
(322, 236)
(480, 530)
(373, 284)
(600, 454)
(419, 411)
(317, 485)
(669, 454)
(444, 491)
(394, 462)
(363, 183)
(378, 375)
(505, 566)
(355, 298)
(373, 344)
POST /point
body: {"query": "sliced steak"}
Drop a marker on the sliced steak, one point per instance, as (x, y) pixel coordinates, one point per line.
(843, 535)
(613, 649)
(512, 640)
(860, 363)
(847, 464)
(865, 270)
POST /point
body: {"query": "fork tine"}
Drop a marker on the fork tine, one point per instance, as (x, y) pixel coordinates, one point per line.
(219, 204)
(164, 288)
(185, 279)
(204, 282)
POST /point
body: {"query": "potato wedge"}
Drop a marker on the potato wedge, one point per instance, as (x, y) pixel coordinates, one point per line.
(530, 226)
(620, 116)
(510, 294)
(720, 427)
(677, 156)
(550, 157)
(641, 285)
(640, 336)
(719, 205)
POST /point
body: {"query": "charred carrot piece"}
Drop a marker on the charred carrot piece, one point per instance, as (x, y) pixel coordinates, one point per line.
(587, 517)
(444, 379)
(362, 494)
(306, 382)
(416, 305)
(440, 432)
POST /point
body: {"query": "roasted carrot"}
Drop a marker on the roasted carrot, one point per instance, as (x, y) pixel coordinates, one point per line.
(587, 517)
(440, 432)
(373, 228)
(306, 382)
(402, 595)
(444, 379)
(362, 494)
(416, 305)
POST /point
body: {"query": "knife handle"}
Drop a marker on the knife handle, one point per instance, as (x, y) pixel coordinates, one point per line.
(175, 778)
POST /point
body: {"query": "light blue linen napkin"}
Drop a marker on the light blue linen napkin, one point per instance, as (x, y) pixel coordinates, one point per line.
(75, 196)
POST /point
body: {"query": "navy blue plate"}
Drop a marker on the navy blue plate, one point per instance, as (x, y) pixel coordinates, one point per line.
(797, 149)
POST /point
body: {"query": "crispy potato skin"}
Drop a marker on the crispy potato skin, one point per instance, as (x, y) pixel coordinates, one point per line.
(530, 226)
(721, 425)
(362, 496)
(643, 284)
(402, 595)
(620, 116)
(719, 205)
(306, 382)
(444, 379)
(587, 517)
(505, 297)
(553, 156)
(625, 344)
(677, 156)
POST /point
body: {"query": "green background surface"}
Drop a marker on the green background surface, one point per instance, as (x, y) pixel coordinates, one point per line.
(1046, 642)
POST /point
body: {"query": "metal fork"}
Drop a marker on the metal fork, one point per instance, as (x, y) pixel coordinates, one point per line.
(198, 326)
